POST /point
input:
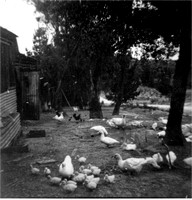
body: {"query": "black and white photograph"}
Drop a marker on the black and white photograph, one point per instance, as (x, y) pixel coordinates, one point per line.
(95, 99)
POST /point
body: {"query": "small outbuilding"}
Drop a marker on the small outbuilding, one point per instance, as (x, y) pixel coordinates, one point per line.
(10, 125)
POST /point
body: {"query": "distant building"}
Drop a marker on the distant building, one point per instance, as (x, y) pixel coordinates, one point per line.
(19, 91)
(9, 116)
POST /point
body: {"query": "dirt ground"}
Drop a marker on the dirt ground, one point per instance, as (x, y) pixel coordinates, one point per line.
(63, 137)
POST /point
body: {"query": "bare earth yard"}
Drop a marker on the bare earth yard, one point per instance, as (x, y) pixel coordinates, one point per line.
(63, 137)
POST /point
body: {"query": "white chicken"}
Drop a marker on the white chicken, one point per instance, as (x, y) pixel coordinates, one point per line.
(59, 116)
(108, 140)
(66, 168)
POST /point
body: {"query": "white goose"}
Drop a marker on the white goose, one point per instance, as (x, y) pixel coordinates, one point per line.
(66, 168)
(108, 140)
(100, 129)
(117, 122)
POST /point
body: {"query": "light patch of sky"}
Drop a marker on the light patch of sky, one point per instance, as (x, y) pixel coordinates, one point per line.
(19, 17)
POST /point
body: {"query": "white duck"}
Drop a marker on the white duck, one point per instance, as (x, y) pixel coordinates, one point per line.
(117, 122)
(157, 157)
(47, 171)
(90, 185)
(100, 129)
(92, 167)
(96, 172)
(154, 125)
(78, 177)
(81, 160)
(88, 178)
(161, 134)
(128, 147)
(109, 179)
(34, 170)
(69, 187)
(69, 182)
(54, 180)
(66, 168)
(108, 140)
(134, 164)
(171, 157)
(82, 169)
(188, 161)
(163, 120)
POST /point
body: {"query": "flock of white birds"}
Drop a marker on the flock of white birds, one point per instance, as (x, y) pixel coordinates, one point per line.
(89, 175)
(69, 179)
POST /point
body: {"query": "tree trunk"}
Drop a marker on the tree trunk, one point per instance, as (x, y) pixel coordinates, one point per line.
(94, 105)
(120, 94)
(174, 134)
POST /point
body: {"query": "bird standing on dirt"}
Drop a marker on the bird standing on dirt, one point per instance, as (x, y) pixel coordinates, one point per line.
(66, 168)
(47, 171)
(34, 170)
(100, 129)
(54, 180)
(188, 161)
(77, 117)
(117, 122)
(109, 178)
(108, 140)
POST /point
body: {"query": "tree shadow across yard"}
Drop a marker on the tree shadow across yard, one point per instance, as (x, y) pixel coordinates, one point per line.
(61, 140)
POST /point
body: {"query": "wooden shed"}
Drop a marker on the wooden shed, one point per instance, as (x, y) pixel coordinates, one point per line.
(27, 76)
(9, 116)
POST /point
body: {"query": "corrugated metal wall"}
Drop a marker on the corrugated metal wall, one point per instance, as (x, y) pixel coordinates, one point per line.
(8, 102)
(10, 118)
